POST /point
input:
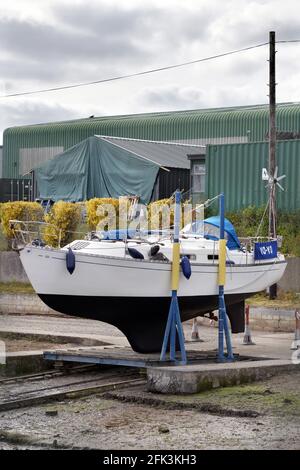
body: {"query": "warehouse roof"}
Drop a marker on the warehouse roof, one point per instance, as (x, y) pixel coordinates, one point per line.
(167, 154)
(240, 124)
(289, 107)
(198, 126)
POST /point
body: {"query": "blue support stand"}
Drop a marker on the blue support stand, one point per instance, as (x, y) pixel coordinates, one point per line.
(224, 330)
(174, 326)
(173, 329)
(223, 320)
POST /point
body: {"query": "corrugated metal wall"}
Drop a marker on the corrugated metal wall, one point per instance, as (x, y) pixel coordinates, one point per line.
(169, 181)
(223, 125)
(236, 170)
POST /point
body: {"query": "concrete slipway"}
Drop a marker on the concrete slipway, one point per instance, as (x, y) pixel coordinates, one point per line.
(270, 356)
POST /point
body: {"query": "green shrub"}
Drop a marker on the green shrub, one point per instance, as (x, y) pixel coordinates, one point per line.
(246, 223)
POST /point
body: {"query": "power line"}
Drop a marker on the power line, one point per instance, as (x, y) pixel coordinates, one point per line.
(145, 72)
(291, 40)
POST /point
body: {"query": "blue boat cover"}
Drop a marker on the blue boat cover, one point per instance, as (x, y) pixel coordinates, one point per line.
(233, 242)
(122, 234)
(119, 234)
(211, 231)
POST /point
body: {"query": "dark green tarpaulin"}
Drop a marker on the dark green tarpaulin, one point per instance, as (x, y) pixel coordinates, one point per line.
(96, 168)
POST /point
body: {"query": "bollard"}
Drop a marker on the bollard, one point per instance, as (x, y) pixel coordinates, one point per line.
(247, 336)
(296, 342)
(195, 331)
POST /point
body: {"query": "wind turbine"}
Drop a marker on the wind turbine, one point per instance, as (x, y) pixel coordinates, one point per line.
(272, 180)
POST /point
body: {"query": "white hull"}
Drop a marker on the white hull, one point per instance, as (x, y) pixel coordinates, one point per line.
(97, 275)
(134, 295)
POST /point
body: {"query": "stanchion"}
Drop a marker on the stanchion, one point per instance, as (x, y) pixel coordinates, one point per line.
(296, 342)
(247, 336)
(195, 331)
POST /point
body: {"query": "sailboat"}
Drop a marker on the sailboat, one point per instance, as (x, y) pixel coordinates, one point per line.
(124, 278)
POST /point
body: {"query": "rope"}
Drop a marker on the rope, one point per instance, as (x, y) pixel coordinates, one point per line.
(262, 219)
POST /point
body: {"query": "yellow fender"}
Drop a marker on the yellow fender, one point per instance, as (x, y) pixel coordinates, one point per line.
(222, 262)
(175, 266)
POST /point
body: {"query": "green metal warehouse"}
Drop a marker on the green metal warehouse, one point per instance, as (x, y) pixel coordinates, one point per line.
(236, 140)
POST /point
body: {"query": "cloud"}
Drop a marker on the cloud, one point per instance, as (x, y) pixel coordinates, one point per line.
(69, 41)
(26, 70)
(88, 43)
(79, 43)
(142, 22)
(32, 112)
(252, 20)
(172, 97)
(46, 44)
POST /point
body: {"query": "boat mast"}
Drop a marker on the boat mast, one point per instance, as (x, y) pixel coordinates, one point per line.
(272, 135)
(272, 146)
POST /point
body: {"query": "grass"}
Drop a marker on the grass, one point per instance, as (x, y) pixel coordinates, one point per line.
(15, 438)
(286, 300)
(19, 439)
(80, 405)
(15, 288)
(258, 397)
(268, 397)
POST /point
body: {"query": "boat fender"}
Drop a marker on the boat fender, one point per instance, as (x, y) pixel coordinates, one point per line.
(154, 250)
(135, 253)
(70, 261)
(186, 267)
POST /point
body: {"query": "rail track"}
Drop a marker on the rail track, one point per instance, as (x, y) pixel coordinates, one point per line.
(57, 372)
(80, 381)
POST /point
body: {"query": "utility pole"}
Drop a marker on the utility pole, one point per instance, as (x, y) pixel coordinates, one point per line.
(272, 146)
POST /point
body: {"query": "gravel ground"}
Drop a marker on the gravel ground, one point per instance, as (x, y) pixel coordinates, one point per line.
(102, 423)
(55, 325)
(14, 345)
(125, 420)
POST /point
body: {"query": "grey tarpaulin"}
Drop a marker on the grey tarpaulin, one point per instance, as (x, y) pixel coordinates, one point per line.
(96, 168)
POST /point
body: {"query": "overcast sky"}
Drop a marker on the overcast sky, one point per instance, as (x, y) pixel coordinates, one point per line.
(46, 43)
